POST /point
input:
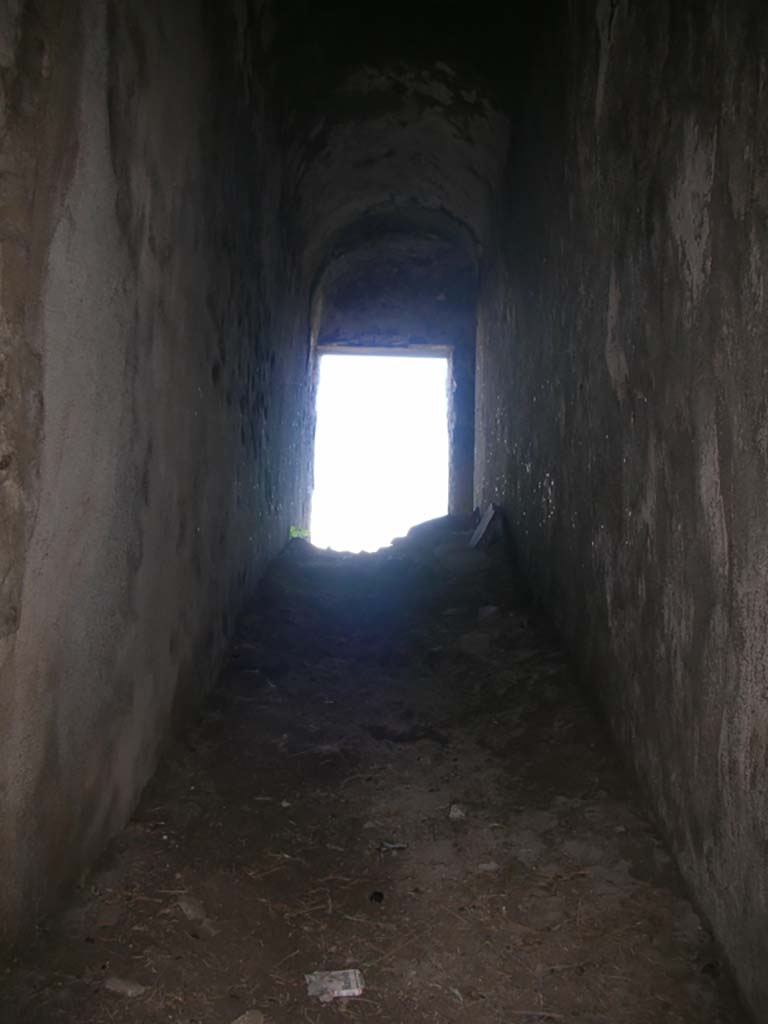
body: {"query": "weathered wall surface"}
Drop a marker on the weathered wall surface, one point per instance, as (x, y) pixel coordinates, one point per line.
(149, 307)
(623, 417)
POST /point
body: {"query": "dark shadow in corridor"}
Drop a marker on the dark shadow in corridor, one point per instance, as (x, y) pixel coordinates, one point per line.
(395, 773)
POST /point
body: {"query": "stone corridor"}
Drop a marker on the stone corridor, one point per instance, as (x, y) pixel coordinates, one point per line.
(567, 200)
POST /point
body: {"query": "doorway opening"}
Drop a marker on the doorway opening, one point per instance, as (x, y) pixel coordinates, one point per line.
(381, 448)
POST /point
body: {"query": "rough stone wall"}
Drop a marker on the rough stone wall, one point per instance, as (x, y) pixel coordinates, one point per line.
(23, 89)
(149, 308)
(623, 417)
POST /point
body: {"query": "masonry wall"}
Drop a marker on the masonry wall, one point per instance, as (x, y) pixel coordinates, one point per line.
(149, 305)
(623, 414)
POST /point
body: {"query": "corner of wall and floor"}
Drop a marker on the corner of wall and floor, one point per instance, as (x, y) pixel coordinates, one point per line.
(622, 417)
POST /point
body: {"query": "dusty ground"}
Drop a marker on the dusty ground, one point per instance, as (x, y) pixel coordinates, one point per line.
(391, 779)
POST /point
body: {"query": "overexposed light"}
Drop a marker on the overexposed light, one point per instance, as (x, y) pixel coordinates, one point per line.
(381, 449)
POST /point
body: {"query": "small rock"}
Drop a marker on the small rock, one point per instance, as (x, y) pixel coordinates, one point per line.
(123, 987)
(687, 923)
(487, 612)
(192, 909)
(489, 528)
(456, 812)
(388, 846)
(251, 1017)
(488, 867)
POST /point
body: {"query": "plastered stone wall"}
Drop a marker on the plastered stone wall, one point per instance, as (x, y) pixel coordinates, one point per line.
(155, 425)
(623, 412)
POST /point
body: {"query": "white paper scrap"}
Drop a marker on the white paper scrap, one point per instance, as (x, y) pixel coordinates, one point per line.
(328, 985)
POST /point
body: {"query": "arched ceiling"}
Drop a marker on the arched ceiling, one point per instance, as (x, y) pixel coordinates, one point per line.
(398, 141)
(397, 131)
(393, 194)
(400, 289)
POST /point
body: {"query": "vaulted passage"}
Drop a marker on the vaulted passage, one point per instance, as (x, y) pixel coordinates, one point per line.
(497, 780)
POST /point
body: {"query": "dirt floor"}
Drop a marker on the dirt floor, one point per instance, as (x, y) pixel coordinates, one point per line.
(395, 773)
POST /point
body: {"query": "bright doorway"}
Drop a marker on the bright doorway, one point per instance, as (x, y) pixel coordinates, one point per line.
(381, 448)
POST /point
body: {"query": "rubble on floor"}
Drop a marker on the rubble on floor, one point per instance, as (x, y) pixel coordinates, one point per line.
(398, 726)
